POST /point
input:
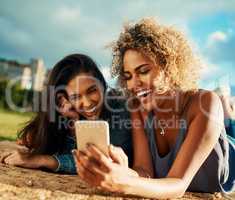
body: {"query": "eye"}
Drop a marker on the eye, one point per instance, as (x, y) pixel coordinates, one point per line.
(74, 97)
(144, 70)
(126, 76)
(92, 90)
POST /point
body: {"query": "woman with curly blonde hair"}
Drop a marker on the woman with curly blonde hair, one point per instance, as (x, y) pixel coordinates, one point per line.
(178, 133)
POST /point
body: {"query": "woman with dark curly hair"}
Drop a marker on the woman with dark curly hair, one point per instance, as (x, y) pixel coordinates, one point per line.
(179, 139)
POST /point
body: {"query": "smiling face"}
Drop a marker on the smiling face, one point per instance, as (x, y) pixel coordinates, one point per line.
(86, 95)
(139, 72)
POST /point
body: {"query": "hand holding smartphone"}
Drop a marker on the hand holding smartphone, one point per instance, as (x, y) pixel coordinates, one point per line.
(95, 132)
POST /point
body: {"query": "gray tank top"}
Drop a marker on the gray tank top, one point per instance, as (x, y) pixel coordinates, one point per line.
(217, 174)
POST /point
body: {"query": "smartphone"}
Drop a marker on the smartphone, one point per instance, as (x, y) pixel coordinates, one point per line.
(95, 132)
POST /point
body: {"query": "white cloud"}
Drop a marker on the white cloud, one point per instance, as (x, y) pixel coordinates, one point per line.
(220, 46)
(52, 29)
(217, 36)
(174, 10)
(67, 14)
(209, 70)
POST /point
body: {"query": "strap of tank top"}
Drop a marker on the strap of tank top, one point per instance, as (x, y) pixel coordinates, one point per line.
(183, 114)
(148, 125)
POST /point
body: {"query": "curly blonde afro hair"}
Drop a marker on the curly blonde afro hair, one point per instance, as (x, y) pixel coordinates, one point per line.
(163, 45)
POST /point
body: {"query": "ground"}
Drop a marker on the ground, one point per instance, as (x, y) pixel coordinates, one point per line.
(18, 183)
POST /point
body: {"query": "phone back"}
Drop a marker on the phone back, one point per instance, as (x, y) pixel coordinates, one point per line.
(95, 132)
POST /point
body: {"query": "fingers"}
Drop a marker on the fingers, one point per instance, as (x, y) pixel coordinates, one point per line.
(86, 170)
(91, 165)
(118, 155)
(15, 159)
(113, 154)
(77, 162)
(99, 156)
(4, 156)
(24, 150)
(9, 160)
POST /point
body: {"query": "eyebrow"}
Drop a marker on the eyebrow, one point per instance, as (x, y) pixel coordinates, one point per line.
(74, 95)
(77, 94)
(91, 87)
(137, 68)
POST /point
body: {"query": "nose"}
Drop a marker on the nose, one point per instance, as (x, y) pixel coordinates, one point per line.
(134, 82)
(85, 102)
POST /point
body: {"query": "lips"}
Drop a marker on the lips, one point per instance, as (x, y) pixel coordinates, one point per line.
(141, 93)
(90, 110)
(90, 113)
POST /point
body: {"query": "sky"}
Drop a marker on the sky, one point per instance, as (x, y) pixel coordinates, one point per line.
(53, 29)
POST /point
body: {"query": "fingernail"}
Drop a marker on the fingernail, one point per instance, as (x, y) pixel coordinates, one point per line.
(89, 144)
(82, 153)
(73, 152)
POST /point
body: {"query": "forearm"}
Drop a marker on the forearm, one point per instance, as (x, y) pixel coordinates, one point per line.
(49, 162)
(66, 163)
(143, 172)
(155, 188)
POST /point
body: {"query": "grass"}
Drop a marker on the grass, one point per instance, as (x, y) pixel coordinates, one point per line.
(11, 122)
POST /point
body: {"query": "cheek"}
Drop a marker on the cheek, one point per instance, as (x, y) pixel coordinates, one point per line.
(151, 78)
(147, 79)
(96, 97)
(129, 85)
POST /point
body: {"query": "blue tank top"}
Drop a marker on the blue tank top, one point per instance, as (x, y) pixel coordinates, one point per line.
(217, 173)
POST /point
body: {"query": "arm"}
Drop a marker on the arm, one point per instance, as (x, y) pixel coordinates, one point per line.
(114, 177)
(142, 158)
(56, 163)
(229, 116)
(203, 133)
(29, 160)
(65, 163)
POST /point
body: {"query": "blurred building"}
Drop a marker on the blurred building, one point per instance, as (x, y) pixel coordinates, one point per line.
(30, 75)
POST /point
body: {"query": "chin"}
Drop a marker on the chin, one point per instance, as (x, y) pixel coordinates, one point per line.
(92, 118)
(147, 106)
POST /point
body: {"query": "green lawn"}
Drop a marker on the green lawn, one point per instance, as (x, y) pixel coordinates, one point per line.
(11, 122)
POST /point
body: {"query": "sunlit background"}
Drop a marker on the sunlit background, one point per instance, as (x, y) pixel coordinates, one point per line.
(53, 29)
(34, 35)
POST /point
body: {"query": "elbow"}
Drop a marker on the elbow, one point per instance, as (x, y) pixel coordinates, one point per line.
(180, 194)
(181, 188)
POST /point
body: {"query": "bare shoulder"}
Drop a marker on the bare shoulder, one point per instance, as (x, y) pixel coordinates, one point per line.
(206, 103)
(206, 99)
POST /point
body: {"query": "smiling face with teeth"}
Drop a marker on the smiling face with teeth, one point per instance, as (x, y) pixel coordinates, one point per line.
(140, 72)
(86, 95)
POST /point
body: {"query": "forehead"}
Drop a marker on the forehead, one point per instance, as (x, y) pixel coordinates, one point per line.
(133, 58)
(81, 83)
